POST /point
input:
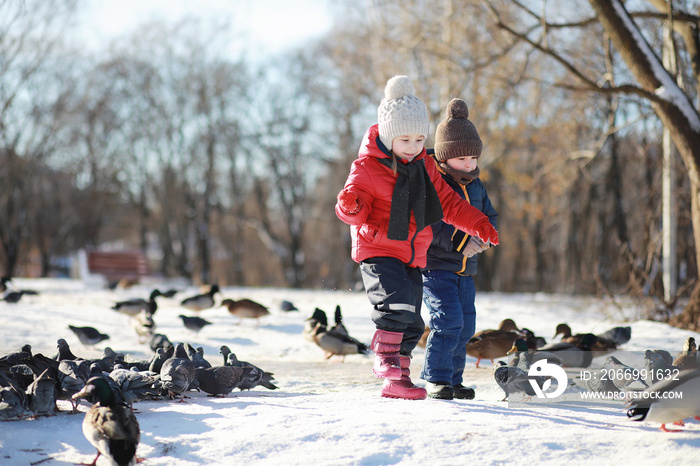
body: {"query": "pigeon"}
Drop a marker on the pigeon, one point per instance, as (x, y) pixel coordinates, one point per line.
(245, 309)
(598, 381)
(13, 297)
(17, 357)
(41, 395)
(177, 373)
(88, 336)
(252, 379)
(110, 426)
(201, 301)
(617, 335)
(64, 351)
(133, 385)
(13, 403)
(287, 306)
(670, 400)
(134, 306)
(512, 380)
(221, 380)
(198, 358)
(658, 365)
(159, 340)
(624, 377)
(72, 376)
(194, 323)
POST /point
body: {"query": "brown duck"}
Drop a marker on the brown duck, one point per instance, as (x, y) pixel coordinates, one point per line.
(245, 308)
(599, 344)
(493, 343)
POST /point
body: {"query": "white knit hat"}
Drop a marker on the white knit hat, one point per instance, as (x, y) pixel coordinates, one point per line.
(401, 112)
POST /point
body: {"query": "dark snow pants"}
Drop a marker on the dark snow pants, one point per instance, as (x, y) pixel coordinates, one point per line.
(395, 290)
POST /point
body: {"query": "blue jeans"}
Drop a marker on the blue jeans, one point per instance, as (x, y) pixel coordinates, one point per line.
(450, 300)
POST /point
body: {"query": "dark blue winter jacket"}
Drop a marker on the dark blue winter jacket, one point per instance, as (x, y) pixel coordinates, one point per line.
(445, 251)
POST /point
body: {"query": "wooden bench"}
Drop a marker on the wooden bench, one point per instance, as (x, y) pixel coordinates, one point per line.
(117, 265)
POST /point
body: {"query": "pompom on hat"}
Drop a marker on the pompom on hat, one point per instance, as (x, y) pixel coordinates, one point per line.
(456, 136)
(401, 112)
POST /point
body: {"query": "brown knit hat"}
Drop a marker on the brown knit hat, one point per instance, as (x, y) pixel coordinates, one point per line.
(456, 136)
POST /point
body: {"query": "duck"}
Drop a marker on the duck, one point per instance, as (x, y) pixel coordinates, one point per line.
(573, 354)
(110, 426)
(177, 373)
(194, 323)
(670, 400)
(132, 307)
(144, 325)
(13, 297)
(335, 343)
(202, 301)
(318, 317)
(255, 377)
(219, 381)
(687, 359)
(493, 343)
(524, 357)
(88, 336)
(245, 309)
(598, 344)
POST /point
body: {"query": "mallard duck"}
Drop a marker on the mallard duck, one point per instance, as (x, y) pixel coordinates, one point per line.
(318, 317)
(688, 358)
(109, 426)
(252, 379)
(88, 336)
(134, 306)
(201, 301)
(493, 343)
(670, 400)
(335, 343)
(599, 345)
(524, 357)
(245, 309)
(572, 354)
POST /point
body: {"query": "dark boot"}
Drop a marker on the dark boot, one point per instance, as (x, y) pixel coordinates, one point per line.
(403, 388)
(386, 346)
(463, 393)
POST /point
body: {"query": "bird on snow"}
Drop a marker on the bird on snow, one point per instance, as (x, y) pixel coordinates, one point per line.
(493, 343)
(658, 365)
(245, 309)
(72, 376)
(523, 357)
(577, 354)
(512, 380)
(194, 323)
(201, 301)
(110, 426)
(4, 282)
(670, 400)
(688, 358)
(336, 341)
(13, 297)
(177, 373)
(41, 394)
(287, 306)
(221, 380)
(318, 317)
(134, 306)
(64, 351)
(255, 377)
(599, 345)
(134, 385)
(626, 378)
(88, 336)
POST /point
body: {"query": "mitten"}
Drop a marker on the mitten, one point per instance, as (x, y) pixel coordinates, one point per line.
(472, 248)
(349, 202)
(485, 231)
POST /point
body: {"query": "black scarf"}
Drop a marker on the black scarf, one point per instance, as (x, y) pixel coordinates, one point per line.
(414, 191)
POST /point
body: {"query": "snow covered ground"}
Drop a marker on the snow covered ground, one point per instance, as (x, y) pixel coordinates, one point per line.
(327, 412)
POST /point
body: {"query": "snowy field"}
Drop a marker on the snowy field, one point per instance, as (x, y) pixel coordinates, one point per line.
(330, 413)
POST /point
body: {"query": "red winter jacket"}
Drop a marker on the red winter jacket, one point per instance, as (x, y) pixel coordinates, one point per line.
(374, 183)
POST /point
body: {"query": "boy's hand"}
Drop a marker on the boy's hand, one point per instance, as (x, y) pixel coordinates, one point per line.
(486, 232)
(349, 202)
(472, 248)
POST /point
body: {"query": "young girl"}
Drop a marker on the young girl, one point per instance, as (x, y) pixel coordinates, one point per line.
(448, 287)
(390, 197)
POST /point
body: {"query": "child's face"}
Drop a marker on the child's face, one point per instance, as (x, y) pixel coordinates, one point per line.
(464, 164)
(408, 146)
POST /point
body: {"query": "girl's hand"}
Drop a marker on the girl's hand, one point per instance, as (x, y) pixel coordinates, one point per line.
(486, 232)
(349, 202)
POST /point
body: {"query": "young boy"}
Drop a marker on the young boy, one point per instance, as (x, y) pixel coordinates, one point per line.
(448, 287)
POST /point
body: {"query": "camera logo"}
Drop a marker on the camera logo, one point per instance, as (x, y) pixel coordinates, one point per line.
(542, 371)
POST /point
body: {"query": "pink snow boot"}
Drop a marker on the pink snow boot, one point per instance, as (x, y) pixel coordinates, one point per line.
(386, 346)
(403, 388)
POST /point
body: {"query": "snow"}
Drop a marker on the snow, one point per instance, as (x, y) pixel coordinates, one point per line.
(328, 412)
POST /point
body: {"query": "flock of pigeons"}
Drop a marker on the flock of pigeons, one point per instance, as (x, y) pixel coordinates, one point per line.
(31, 383)
(666, 390)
